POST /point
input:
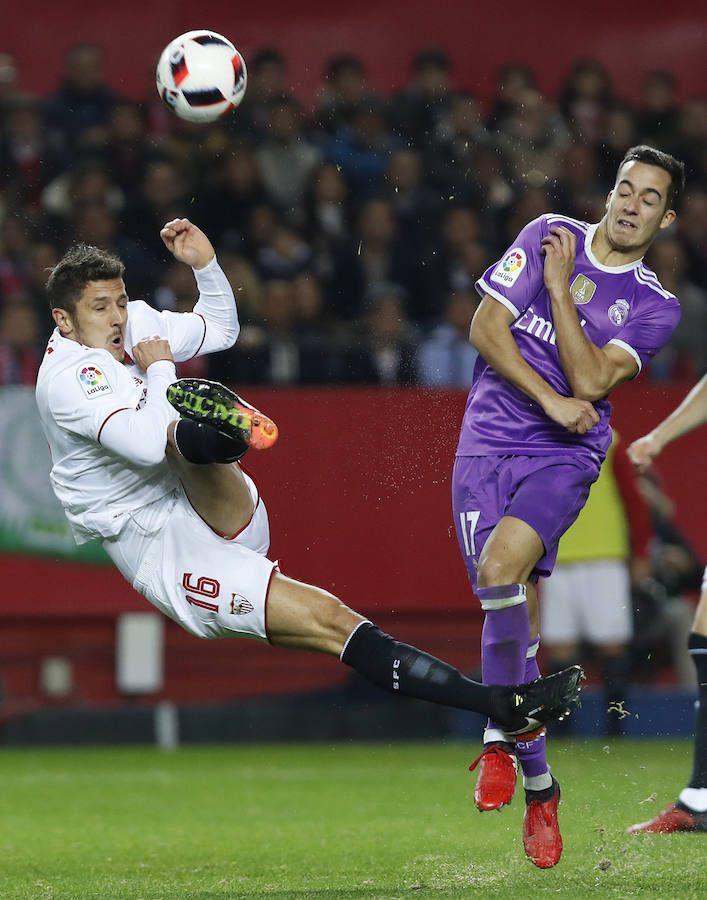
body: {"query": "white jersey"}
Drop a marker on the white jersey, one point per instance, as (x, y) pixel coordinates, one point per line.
(106, 421)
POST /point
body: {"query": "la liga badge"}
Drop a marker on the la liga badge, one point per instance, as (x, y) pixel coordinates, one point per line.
(93, 381)
(510, 267)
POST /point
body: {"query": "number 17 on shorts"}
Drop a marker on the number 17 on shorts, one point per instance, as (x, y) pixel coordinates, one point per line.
(467, 527)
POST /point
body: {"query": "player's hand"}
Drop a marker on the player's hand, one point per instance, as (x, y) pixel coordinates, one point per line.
(643, 451)
(187, 243)
(150, 350)
(577, 416)
(559, 249)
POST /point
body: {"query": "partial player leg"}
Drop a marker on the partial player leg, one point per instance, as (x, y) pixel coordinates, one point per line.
(542, 840)
(509, 645)
(508, 600)
(218, 492)
(304, 617)
(697, 646)
(215, 430)
(690, 811)
(532, 753)
(504, 643)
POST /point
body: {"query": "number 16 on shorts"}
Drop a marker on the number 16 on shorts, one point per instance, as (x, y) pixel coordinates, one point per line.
(468, 521)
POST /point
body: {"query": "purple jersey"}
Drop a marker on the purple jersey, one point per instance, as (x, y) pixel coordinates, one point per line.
(623, 305)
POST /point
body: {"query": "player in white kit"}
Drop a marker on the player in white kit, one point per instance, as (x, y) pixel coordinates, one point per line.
(193, 537)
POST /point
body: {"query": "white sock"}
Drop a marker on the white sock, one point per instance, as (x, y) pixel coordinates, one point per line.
(495, 735)
(537, 782)
(694, 798)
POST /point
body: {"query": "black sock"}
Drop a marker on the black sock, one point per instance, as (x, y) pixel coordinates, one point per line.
(697, 646)
(402, 669)
(202, 444)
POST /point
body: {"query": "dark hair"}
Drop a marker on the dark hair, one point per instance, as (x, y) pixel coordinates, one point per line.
(79, 265)
(652, 157)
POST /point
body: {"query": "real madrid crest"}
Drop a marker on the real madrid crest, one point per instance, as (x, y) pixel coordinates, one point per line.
(618, 312)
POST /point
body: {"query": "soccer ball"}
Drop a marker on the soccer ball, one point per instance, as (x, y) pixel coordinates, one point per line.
(201, 75)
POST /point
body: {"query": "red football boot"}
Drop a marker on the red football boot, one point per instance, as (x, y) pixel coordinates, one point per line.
(498, 770)
(541, 832)
(673, 818)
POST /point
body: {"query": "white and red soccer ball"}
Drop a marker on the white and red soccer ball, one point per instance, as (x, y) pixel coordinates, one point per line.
(201, 75)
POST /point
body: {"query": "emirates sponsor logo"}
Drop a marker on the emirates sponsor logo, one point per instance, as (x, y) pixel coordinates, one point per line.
(539, 327)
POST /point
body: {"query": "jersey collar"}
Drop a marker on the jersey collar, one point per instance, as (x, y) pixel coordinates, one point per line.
(612, 270)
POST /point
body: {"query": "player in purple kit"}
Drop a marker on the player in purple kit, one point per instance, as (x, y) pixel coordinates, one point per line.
(569, 312)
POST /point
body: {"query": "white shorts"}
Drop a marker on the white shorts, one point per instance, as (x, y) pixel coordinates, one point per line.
(587, 601)
(212, 586)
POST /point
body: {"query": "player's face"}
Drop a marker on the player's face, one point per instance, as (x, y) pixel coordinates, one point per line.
(100, 318)
(637, 208)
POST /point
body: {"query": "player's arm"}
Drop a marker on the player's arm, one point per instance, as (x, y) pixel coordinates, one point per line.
(590, 370)
(140, 435)
(216, 304)
(638, 514)
(690, 414)
(491, 334)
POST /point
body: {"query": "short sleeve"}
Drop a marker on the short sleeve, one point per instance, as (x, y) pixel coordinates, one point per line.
(646, 333)
(84, 396)
(518, 276)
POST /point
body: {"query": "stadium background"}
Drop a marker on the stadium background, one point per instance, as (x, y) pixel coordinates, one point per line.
(627, 38)
(365, 509)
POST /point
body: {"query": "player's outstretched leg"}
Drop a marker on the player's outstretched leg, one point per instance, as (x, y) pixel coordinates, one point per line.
(208, 405)
(304, 617)
(522, 710)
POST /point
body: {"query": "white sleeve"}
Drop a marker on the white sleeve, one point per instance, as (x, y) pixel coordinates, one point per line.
(217, 306)
(213, 324)
(140, 435)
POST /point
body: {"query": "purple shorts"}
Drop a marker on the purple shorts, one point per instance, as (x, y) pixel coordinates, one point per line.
(545, 492)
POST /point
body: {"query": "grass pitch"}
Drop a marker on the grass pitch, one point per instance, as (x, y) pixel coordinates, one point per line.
(341, 821)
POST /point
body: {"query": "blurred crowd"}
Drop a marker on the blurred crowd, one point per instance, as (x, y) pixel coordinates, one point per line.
(353, 232)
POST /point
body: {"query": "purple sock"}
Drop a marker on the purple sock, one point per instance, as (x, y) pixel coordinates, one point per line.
(504, 639)
(531, 754)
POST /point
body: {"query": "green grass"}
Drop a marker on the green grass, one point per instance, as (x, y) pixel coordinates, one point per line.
(340, 821)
